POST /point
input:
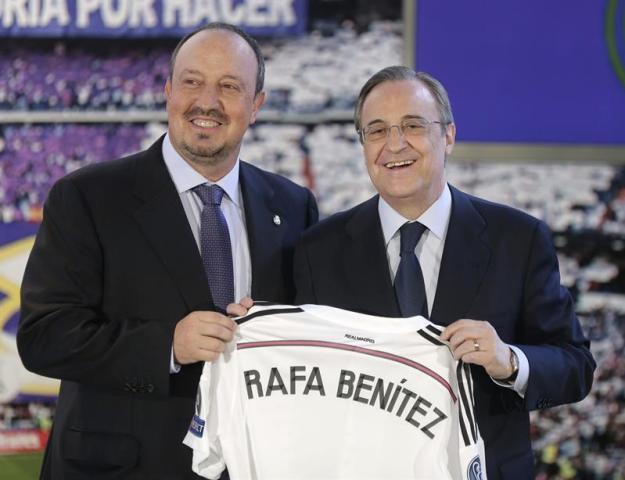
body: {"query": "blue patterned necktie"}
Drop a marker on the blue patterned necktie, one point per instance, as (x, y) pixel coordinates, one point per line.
(409, 284)
(215, 246)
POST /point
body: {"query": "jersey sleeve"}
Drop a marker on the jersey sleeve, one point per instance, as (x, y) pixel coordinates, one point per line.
(202, 437)
(471, 446)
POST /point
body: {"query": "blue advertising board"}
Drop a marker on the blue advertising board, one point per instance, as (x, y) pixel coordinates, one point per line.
(147, 18)
(528, 71)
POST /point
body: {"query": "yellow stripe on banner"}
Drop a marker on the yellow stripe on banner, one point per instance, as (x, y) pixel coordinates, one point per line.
(14, 248)
(11, 256)
(37, 389)
(10, 304)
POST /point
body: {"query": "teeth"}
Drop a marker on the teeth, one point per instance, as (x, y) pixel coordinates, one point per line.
(399, 164)
(205, 123)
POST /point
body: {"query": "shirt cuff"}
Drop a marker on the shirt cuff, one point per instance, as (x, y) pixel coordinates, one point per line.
(173, 366)
(520, 384)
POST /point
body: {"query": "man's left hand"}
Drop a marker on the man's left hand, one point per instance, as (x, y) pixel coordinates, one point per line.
(477, 342)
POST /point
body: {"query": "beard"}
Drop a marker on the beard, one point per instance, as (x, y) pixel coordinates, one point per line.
(207, 156)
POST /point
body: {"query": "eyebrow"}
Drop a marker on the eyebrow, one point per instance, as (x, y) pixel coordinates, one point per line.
(405, 117)
(233, 77)
(193, 71)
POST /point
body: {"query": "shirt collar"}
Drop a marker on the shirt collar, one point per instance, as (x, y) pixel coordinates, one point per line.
(186, 178)
(435, 218)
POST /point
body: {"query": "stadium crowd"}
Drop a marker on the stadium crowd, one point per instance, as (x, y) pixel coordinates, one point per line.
(32, 158)
(569, 197)
(586, 440)
(104, 76)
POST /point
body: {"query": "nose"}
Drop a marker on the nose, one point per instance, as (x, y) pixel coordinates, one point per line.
(209, 98)
(395, 141)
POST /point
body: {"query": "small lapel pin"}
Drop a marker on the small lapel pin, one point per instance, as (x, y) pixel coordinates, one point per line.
(277, 220)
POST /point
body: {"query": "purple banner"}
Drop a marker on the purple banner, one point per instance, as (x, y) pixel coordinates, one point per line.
(147, 18)
(530, 71)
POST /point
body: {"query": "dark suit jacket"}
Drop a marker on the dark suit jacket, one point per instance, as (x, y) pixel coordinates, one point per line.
(498, 265)
(115, 266)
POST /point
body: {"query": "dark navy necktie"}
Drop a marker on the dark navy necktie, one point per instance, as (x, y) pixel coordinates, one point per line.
(409, 284)
(215, 246)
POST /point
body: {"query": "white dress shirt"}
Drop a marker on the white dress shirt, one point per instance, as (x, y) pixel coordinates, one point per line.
(429, 252)
(185, 178)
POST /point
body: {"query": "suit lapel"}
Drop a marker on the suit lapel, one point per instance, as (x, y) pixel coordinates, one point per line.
(465, 259)
(365, 262)
(162, 219)
(265, 224)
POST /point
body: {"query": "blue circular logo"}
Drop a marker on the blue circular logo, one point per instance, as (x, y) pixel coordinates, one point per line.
(474, 471)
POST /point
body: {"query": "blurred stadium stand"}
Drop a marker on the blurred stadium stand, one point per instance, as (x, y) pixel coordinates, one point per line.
(318, 76)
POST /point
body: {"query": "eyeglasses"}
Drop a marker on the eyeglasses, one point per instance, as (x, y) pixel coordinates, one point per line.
(412, 127)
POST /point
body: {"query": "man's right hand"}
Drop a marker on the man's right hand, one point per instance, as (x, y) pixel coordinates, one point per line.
(201, 336)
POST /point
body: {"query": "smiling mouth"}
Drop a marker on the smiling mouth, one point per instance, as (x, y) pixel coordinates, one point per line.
(402, 164)
(204, 123)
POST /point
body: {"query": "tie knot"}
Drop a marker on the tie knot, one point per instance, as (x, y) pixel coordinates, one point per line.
(209, 194)
(410, 234)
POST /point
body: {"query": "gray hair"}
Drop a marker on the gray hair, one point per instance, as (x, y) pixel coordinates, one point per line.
(397, 73)
(260, 72)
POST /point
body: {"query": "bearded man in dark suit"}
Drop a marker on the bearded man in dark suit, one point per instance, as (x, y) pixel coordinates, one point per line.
(137, 260)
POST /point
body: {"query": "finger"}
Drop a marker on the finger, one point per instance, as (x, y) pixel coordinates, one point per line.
(205, 356)
(469, 346)
(454, 327)
(203, 349)
(210, 344)
(236, 310)
(475, 358)
(463, 335)
(214, 330)
(247, 302)
(214, 318)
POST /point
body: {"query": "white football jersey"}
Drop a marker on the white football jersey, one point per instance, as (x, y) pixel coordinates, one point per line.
(316, 392)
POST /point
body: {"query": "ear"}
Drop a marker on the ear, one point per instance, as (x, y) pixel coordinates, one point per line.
(450, 138)
(259, 99)
(168, 89)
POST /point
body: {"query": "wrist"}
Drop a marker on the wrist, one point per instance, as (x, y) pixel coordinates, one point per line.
(514, 367)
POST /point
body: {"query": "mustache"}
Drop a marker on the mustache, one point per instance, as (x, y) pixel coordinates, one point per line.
(211, 114)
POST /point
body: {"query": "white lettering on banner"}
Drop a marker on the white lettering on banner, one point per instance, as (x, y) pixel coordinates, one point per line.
(84, 8)
(117, 13)
(232, 13)
(15, 9)
(173, 8)
(254, 13)
(204, 11)
(282, 12)
(142, 14)
(54, 10)
(114, 17)
(33, 13)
